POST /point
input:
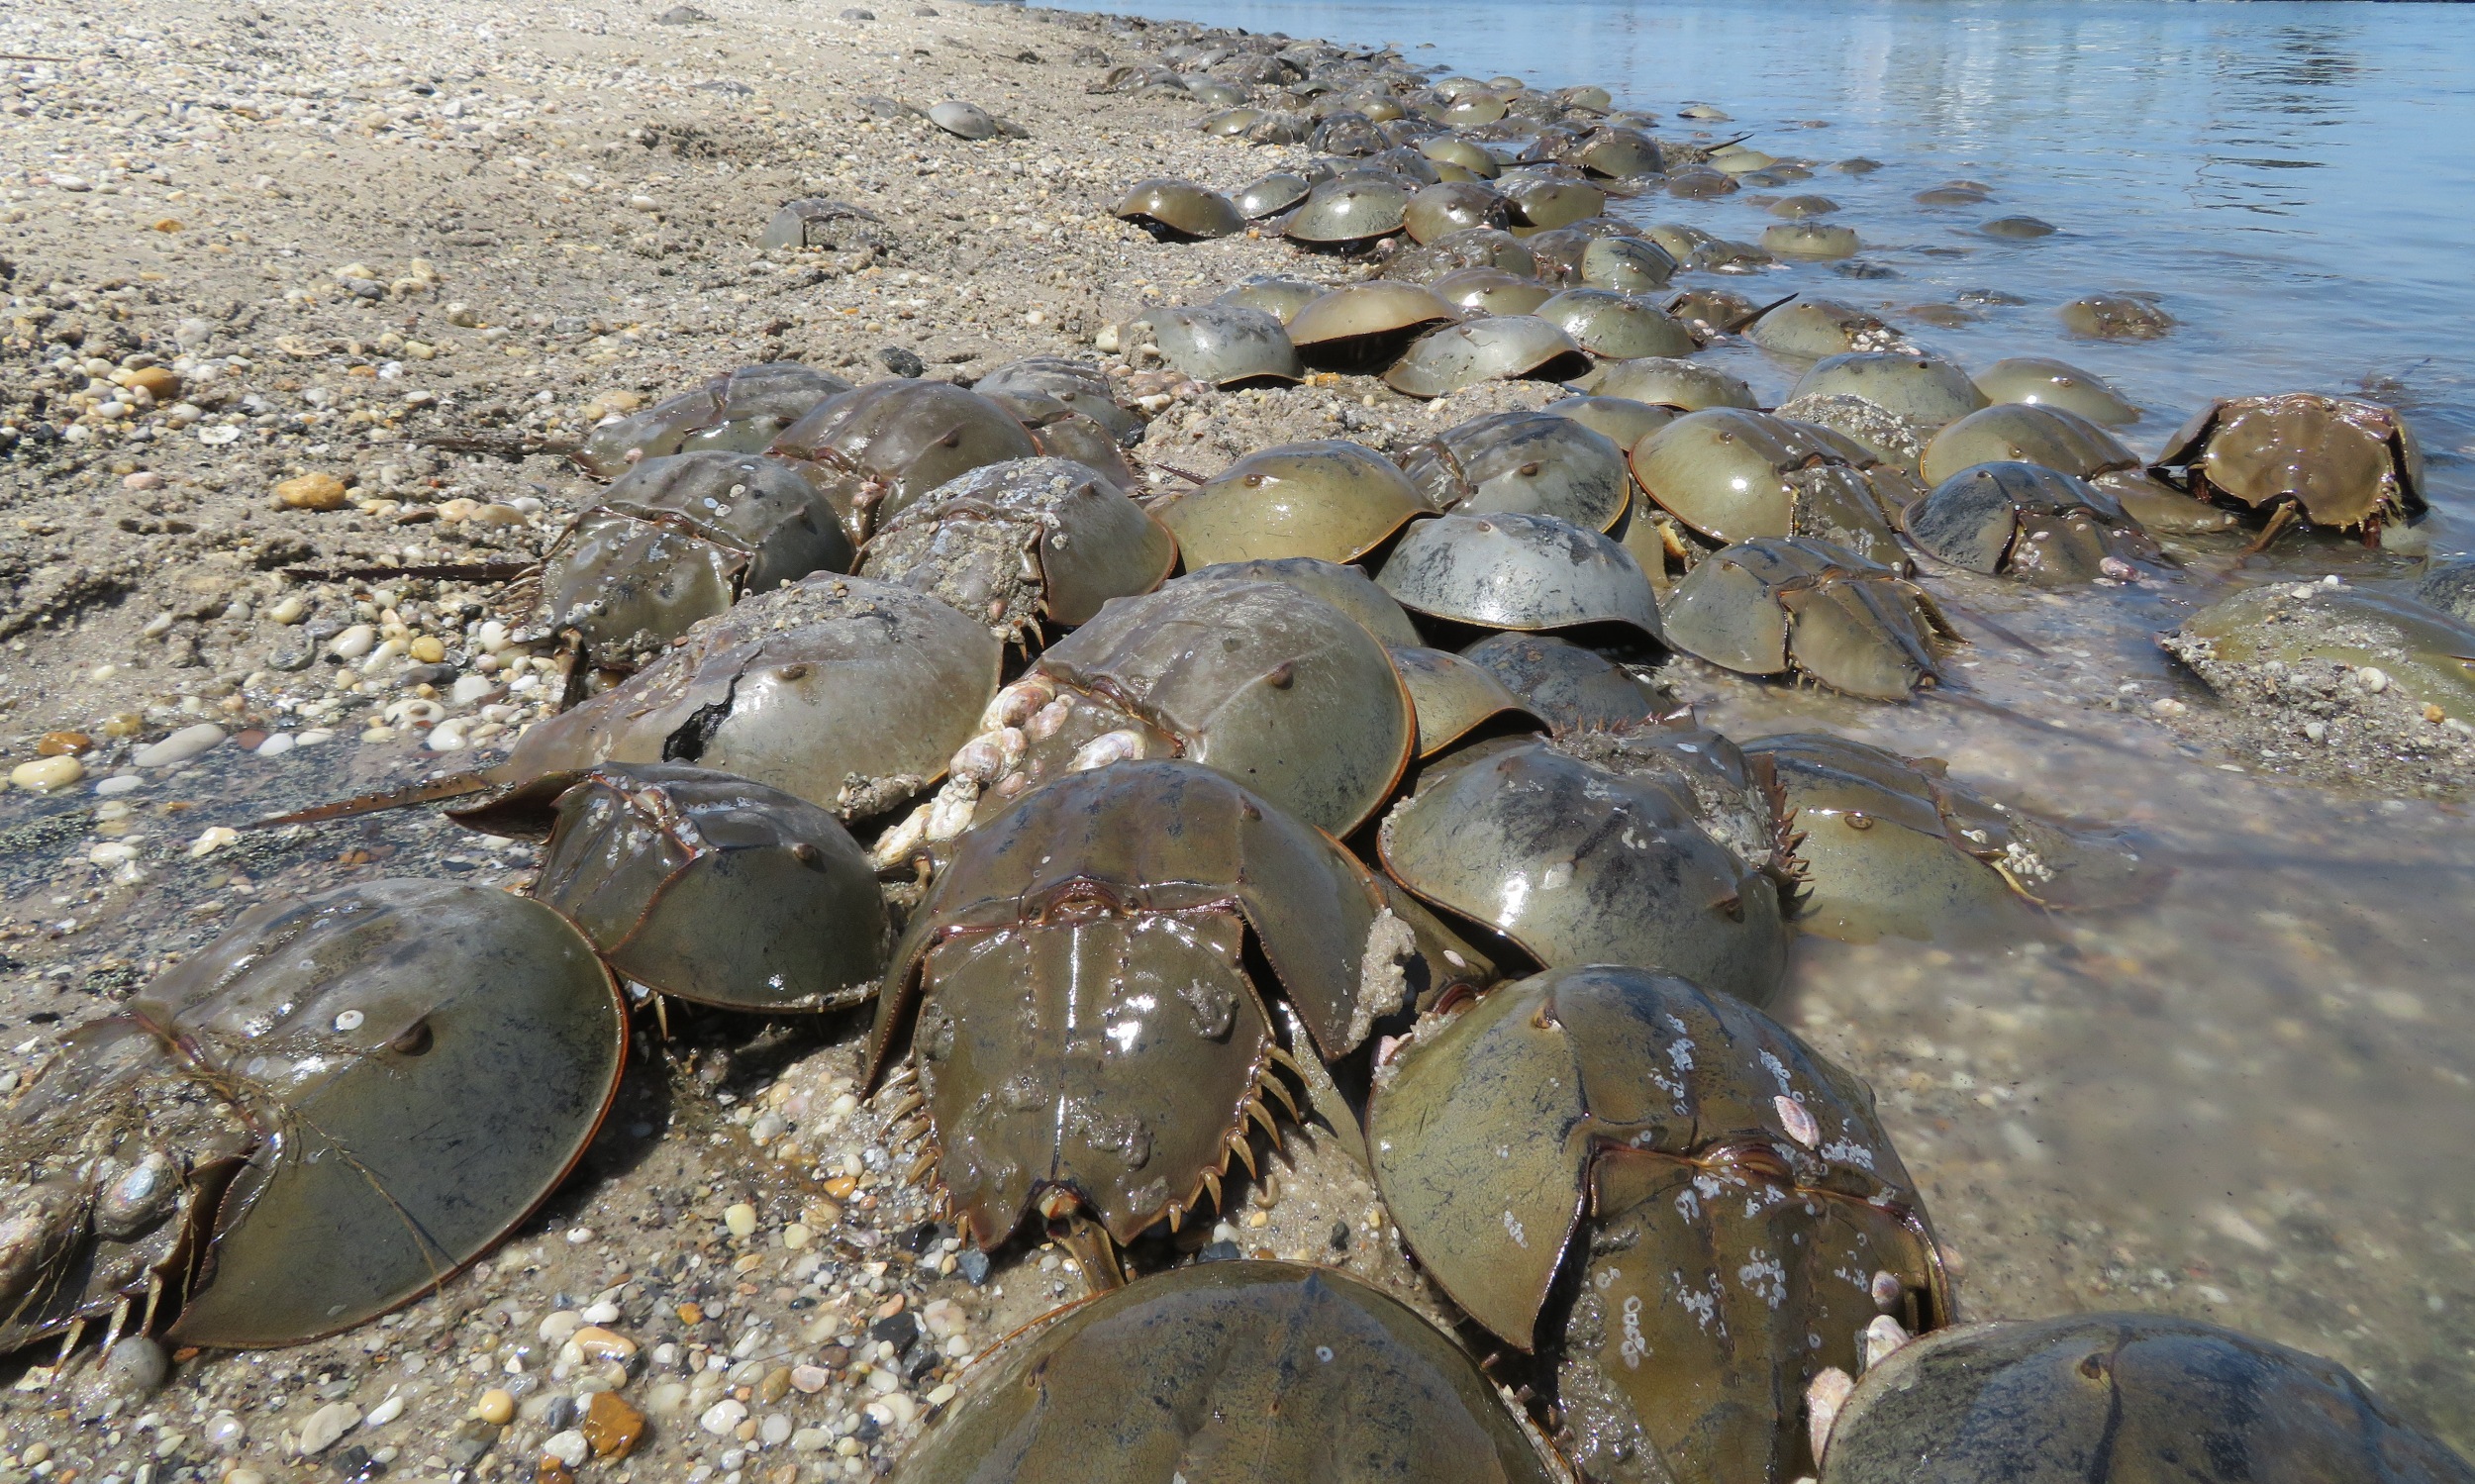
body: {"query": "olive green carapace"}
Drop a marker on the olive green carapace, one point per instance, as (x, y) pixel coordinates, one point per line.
(1509, 570)
(1453, 696)
(2427, 654)
(1232, 1373)
(1344, 585)
(1330, 500)
(1580, 863)
(1737, 1193)
(1776, 607)
(873, 450)
(2121, 1399)
(847, 693)
(2336, 461)
(741, 412)
(716, 889)
(1087, 1019)
(1523, 463)
(408, 1068)
(2038, 381)
(1926, 388)
(1571, 688)
(2031, 523)
(1732, 476)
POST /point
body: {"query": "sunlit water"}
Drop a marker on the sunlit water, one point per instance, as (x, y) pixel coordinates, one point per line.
(2252, 1102)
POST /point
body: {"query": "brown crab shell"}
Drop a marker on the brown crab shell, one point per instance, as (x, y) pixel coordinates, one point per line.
(874, 450)
(2342, 461)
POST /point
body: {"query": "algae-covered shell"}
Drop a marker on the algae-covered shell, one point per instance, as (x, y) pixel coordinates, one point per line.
(874, 450)
(434, 1058)
(1497, 348)
(2024, 520)
(963, 120)
(1522, 461)
(741, 412)
(1365, 324)
(1272, 194)
(1440, 210)
(1300, 1372)
(680, 537)
(1331, 500)
(847, 693)
(1028, 388)
(2116, 316)
(1617, 327)
(1748, 1218)
(1344, 586)
(1622, 420)
(1225, 344)
(1770, 605)
(1731, 474)
(1180, 207)
(1817, 240)
(1928, 389)
(2339, 461)
(1346, 211)
(1453, 697)
(1490, 291)
(2122, 1398)
(1021, 543)
(716, 889)
(1818, 328)
(1518, 572)
(2448, 584)
(1541, 203)
(2041, 382)
(1276, 294)
(2424, 654)
(1470, 248)
(1666, 381)
(1571, 688)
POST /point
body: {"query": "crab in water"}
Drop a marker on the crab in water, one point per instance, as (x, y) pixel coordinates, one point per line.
(2336, 461)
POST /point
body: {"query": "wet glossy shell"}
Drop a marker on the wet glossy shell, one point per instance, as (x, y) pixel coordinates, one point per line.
(1490, 291)
(1225, 344)
(1275, 688)
(1930, 390)
(847, 693)
(1181, 207)
(1617, 326)
(1575, 863)
(875, 450)
(1737, 1189)
(1028, 386)
(1818, 328)
(1814, 240)
(2449, 585)
(1474, 248)
(428, 1061)
(742, 412)
(1769, 606)
(1447, 148)
(1087, 1019)
(678, 539)
(1732, 475)
(1567, 686)
(1247, 1371)
(1344, 587)
(1523, 463)
(1619, 153)
(2342, 461)
(963, 120)
(1330, 500)
(2115, 317)
(1270, 195)
(2026, 521)
(1275, 295)
(1016, 543)
(1453, 696)
(2122, 1398)
(1544, 204)
(716, 889)
(1366, 324)
(2059, 440)
(2037, 382)
(1439, 210)
(1631, 266)
(1518, 572)
(1621, 419)
(1664, 381)
(1344, 212)
(2428, 656)
(1498, 349)
(1894, 849)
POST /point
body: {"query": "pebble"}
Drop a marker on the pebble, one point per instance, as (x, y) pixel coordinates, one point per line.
(136, 1367)
(559, 1324)
(427, 650)
(723, 1418)
(63, 745)
(599, 1343)
(353, 643)
(277, 744)
(311, 492)
(244, 1476)
(44, 774)
(291, 608)
(494, 1406)
(118, 784)
(612, 1426)
(211, 839)
(384, 1413)
(328, 1425)
(180, 746)
(808, 1380)
(568, 1448)
(741, 1219)
(774, 1430)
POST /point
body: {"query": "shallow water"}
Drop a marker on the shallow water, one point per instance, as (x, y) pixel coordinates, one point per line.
(2249, 1102)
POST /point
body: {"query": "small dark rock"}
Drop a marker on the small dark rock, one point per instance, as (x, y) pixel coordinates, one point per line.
(559, 1415)
(834, 1357)
(1340, 1237)
(430, 674)
(1219, 1252)
(902, 362)
(1856, 267)
(868, 1429)
(467, 1446)
(898, 1330)
(354, 1462)
(972, 1264)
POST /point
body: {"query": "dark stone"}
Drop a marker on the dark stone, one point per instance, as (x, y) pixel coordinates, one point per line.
(1340, 1237)
(972, 1264)
(902, 362)
(1219, 1252)
(898, 1330)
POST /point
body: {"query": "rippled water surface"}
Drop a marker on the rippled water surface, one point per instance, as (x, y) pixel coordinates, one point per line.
(2251, 1100)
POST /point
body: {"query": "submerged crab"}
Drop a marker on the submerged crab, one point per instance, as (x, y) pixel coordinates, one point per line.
(1747, 1223)
(2337, 461)
(1768, 606)
(2024, 520)
(1092, 1041)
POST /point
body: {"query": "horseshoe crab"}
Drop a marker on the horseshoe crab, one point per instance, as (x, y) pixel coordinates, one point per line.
(1503, 348)
(1730, 1215)
(1262, 681)
(1344, 587)
(2039, 382)
(1178, 210)
(1439, 210)
(1890, 846)
(1452, 149)
(1525, 462)
(1090, 1040)
(1666, 381)
(1571, 688)
(2318, 648)
(1039, 388)
(326, 1113)
(1813, 241)
(1930, 390)
(1331, 500)
(1622, 420)
(680, 537)
(2116, 316)
(1453, 696)
(1276, 294)
(739, 412)
(872, 450)
(1643, 847)
(1272, 194)
(1817, 328)
(1774, 606)
(2026, 521)
(1729, 474)
(1616, 326)
(2339, 461)
(1249, 1371)
(2065, 442)
(1347, 212)
(1362, 325)
(1616, 153)
(2448, 584)
(716, 889)
(1470, 248)
(1507, 571)
(2118, 1399)
(1490, 291)
(1882, 437)
(1227, 345)
(1023, 544)
(1543, 203)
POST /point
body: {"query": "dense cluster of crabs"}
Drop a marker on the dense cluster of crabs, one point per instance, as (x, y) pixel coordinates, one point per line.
(1335, 787)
